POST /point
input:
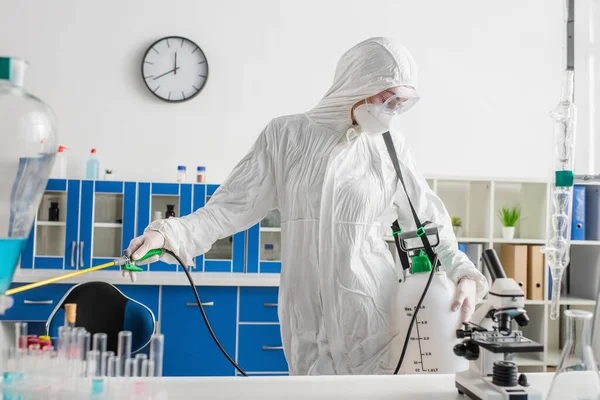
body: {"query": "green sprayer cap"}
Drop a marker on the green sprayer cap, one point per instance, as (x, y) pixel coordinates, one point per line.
(4, 68)
(421, 263)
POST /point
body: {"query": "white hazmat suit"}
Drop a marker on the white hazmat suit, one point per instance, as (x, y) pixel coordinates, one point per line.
(335, 188)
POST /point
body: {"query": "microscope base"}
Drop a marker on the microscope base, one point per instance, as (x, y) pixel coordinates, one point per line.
(476, 387)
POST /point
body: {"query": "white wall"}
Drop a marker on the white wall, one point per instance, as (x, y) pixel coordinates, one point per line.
(489, 74)
(587, 85)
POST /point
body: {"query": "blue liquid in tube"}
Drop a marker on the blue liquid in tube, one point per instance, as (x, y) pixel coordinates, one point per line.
(10, 251)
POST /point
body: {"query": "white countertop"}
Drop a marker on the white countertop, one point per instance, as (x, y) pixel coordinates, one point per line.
(153, 278)
(409, 387)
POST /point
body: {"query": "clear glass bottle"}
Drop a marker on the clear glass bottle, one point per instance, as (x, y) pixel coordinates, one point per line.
(269, 252)
(28, 130)
(181, 172)
(201, 175)
(577, 372)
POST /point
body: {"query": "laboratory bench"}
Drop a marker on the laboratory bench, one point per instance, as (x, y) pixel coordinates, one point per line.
(403, 387)
(241, 308)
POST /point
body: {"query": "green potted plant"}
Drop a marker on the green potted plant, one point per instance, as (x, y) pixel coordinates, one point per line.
(509, 217)
(456, 225)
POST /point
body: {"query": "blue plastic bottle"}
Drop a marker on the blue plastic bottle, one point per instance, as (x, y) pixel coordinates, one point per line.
(92, 170)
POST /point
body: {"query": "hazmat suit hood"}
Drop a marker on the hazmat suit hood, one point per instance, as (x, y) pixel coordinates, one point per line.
(368, 68)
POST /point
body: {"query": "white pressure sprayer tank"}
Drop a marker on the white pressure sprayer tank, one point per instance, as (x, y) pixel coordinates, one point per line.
(433, 336)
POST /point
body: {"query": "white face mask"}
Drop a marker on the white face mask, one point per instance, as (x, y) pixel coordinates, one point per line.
(372, 119)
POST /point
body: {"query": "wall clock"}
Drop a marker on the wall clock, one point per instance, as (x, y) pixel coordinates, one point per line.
(174, 69)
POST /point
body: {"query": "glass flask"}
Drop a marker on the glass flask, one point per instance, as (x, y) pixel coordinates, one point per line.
(577, 372)
(29, 138)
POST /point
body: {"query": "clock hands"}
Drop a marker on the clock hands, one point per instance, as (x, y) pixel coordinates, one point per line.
(166, 73)
(175, 72)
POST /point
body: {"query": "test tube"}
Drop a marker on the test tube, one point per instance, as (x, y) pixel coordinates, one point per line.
(111, 366)
(151, 368)
(123, 350)
(64, 343)
(157, 345)
(92, 363)
(20, 334)
(99, 342)
(20, 363)
(144, 368)
(106, 355)
(81, 345)
(129, 370)
(35, 350)
(139, 360)
(88, 342)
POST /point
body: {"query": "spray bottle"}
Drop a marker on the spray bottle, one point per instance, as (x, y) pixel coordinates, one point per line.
(433, 335)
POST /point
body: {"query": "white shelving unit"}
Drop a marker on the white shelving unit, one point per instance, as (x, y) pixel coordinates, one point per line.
(476, 201)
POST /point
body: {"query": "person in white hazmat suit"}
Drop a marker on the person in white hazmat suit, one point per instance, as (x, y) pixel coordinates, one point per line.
(331, 177)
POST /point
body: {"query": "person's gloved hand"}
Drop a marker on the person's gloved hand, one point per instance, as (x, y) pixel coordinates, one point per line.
(141, 245)
(464, 299)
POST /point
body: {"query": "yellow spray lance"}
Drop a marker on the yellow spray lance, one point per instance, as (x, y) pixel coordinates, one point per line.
(125, 262)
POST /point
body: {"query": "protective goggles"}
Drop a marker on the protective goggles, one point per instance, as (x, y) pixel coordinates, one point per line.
(394, 101)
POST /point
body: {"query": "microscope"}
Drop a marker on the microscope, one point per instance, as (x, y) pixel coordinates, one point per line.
(490, 342)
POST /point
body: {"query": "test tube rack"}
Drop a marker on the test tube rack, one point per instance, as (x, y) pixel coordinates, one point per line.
(80, 367)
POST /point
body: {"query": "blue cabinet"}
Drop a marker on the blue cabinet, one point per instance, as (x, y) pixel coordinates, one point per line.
(258, 304)
(81, 224)
(107, 222)
(260, 349)
(35, 305)
(155, 200)
(189, 348)
(54, 239)
(264, 245)
(226, 255)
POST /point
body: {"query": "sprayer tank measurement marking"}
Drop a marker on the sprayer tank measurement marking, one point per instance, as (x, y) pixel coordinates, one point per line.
(419, 338)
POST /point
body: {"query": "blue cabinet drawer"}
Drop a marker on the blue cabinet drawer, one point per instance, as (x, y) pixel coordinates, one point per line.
(260, 349)
(147, 295)
(258, 304)
(35, 304)
(189, 348)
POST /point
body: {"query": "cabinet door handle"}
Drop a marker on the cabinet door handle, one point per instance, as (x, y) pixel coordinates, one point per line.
(81, 253)
(272, 347)
(38, 302)
(73, 244)
(192, 304)
(271, 304)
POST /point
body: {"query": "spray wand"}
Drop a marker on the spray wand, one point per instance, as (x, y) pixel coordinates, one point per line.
(125, 262)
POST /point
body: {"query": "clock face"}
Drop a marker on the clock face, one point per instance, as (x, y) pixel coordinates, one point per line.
(174, 69)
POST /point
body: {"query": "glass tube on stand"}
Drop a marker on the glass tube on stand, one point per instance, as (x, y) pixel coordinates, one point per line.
(558, 238)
